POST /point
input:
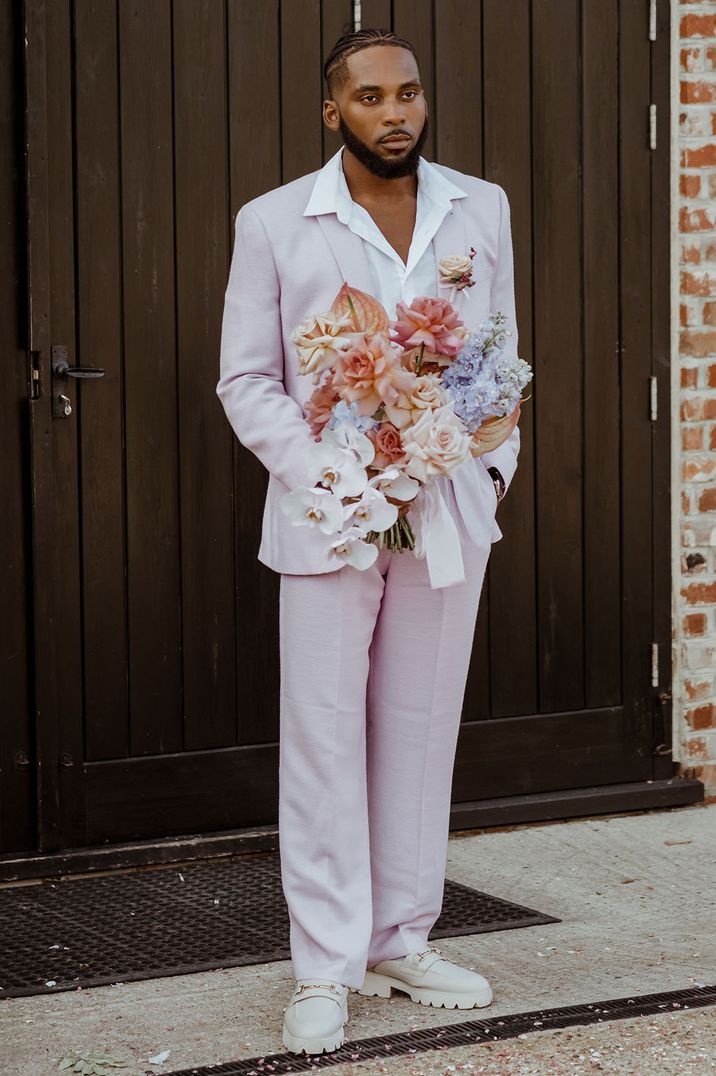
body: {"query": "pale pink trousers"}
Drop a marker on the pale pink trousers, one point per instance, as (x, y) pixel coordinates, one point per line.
(373, 672)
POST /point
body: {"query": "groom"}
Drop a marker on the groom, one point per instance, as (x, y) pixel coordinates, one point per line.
(374, 662)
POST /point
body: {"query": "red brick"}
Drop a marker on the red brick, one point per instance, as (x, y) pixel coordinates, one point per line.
(690, 186)
(685, 502)
(697, 25)
(701, 156)
(696, 219)
(697, 283)
(711, 372)
(694, 408)
(691, 253)
(690, 59)
(711, 57)
(696, 747)
(706, 501)
(692, 438)
(693, 624)
(689, 377)
(702, 717)
(709, 317)
(701, 345)
(699, 593)
(696, 93)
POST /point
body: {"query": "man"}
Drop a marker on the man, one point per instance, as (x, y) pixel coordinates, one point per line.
(374, 662)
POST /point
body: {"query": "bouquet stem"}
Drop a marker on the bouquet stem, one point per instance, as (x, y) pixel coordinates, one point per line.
(397, 538)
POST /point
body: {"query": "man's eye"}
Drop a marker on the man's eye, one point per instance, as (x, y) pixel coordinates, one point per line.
(368, 98)
(410, 93)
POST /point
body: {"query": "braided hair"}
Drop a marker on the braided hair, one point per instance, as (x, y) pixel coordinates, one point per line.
(335, 70)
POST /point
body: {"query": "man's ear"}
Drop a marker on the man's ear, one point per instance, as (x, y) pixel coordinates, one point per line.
(330, 115)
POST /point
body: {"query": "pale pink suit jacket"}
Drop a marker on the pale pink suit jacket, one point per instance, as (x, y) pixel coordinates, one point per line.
(286, 266)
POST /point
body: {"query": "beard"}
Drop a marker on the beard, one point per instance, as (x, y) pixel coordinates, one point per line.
(384, 168)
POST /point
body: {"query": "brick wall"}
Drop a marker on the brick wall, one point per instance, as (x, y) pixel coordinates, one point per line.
(694, 444)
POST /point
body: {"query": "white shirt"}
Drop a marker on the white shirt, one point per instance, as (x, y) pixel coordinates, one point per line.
(393, 280)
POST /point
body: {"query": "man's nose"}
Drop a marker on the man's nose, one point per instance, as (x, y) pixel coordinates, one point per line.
(394, 114)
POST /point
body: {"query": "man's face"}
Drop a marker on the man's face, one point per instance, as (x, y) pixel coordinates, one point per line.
(380, 111)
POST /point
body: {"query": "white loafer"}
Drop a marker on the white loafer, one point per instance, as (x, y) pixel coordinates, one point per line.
(314, 1019)
(429, 979)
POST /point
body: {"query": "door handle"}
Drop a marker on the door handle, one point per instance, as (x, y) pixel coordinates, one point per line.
(61, 370)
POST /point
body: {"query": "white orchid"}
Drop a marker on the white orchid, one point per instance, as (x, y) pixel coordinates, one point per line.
(395, 483)
(351, 549)
(372, 512)
(336, 469)
(350, 439)
(315, 507)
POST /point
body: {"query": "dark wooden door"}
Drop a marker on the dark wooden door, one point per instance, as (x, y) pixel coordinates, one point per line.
(148, 126)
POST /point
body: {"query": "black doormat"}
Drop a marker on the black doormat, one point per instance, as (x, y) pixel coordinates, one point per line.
(145, 924)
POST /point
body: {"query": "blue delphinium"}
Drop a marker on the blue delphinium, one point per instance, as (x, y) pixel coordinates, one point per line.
(482, 381)
(344, 413)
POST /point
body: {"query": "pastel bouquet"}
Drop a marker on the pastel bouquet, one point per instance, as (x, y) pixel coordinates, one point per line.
(396, 405)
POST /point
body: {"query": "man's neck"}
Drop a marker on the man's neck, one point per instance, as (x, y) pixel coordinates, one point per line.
(365, 186)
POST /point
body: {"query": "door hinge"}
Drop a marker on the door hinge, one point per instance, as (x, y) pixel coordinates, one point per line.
(652, 20)
(652, 126)
(653, 401)
(34, 386)
(654, 664)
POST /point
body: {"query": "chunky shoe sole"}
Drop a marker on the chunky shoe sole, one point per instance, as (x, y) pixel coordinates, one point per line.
(382, 986)
(297, 1044)
(303, 1044)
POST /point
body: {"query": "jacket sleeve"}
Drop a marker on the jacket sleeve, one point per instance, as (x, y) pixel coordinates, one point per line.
(502, 297)
(266, 420)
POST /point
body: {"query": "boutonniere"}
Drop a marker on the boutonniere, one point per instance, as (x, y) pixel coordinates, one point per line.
(456, 272)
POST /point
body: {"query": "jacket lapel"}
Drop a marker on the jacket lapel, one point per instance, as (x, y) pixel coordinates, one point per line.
(450, 239)
(348, 250)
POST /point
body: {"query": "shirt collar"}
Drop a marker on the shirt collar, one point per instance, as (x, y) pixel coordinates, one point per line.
(330, 192)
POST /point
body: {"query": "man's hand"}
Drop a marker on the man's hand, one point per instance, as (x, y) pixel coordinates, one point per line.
(493, 431)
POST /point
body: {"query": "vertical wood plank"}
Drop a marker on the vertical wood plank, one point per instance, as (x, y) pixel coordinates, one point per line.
(661, 363)
(600, 290)
(255, 167)
(458, 105)
(206, 456)
(150, 382)
(511, 578)
(413, 20)
(336, 20)
(101, 403)
(636, 493)
(17, 783)
(301, 83)
(558, 353)
(377, 14)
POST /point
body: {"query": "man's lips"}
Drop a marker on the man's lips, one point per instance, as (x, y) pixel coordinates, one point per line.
(396, 141)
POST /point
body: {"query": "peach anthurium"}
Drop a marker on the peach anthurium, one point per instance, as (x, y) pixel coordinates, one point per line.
(363, 312)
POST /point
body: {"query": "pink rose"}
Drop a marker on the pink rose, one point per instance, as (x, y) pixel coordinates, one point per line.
(370, 374)
(428, 322)
(319, 406)
(437, 444)
(388, 446)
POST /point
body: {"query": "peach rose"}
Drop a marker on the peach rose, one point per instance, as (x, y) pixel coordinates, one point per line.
(438, 443)
(388, 446)
(319, 340)
(427, 391)
(319, 406)
(370, 374)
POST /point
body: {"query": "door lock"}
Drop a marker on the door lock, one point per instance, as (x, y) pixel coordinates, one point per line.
(61, 370)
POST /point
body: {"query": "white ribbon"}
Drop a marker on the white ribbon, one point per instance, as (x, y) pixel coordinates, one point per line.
(436, 537)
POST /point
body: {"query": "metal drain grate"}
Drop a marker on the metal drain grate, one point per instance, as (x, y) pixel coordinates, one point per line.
(173, 921)
(470, 1033)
